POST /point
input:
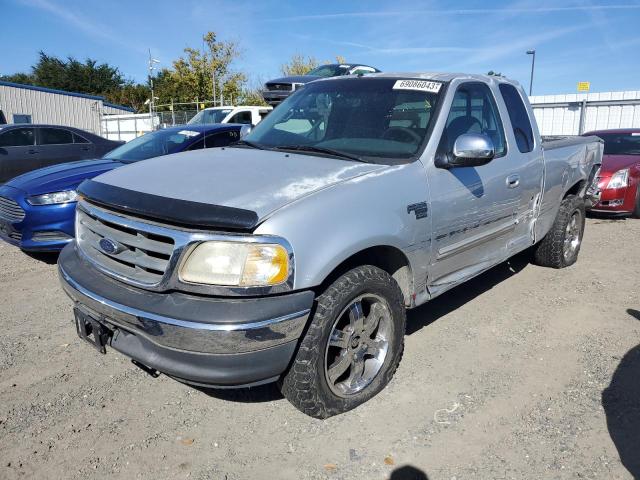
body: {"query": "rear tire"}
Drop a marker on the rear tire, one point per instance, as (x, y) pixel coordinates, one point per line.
(352, 347)
(561, 246)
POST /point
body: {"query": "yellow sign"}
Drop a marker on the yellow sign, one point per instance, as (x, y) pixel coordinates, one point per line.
(584, 86)
(202, 106)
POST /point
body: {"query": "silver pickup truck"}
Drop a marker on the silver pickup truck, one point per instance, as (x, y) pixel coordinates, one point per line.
(294, 255)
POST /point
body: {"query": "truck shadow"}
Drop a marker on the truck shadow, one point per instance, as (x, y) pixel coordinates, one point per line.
(621, 403)
(417, 318)
(259, 394)
(428, 313)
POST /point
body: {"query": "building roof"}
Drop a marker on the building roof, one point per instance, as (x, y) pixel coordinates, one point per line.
(63, 92)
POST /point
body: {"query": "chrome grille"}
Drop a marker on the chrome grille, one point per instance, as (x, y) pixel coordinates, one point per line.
(10, 210)
(279, 87)
(141, 256)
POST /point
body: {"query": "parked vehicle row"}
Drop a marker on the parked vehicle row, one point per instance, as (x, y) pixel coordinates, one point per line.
(293, 255)
(37, 209)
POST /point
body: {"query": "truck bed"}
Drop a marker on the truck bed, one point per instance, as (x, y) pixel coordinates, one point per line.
(551, 142)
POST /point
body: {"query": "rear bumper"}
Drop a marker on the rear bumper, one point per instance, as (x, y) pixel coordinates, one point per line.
(203, 340)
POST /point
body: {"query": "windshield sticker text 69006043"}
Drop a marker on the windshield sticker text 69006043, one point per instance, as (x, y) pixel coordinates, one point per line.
(420, 85)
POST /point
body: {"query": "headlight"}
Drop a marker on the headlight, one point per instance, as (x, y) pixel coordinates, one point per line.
(296, 86)
(619, 179)
(54, 198)
(236, 264)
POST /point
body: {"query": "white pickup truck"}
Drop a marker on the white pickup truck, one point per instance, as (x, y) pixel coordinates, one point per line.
(248, 115)
(294, 255)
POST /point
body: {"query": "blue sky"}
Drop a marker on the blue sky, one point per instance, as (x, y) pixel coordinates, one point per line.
(575, 41)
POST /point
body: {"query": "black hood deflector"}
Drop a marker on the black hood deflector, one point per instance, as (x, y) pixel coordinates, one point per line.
(174, 211)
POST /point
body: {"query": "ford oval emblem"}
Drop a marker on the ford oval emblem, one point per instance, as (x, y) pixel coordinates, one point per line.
(108, 246)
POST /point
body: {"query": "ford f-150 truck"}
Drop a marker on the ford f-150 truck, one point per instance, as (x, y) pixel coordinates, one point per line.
(294, 256)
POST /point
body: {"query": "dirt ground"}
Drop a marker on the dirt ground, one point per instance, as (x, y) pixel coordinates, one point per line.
(525, 372)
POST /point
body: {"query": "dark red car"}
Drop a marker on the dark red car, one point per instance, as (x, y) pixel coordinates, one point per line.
(619, 178)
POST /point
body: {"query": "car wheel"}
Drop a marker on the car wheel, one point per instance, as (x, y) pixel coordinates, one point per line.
(560, 247)
(352, 346)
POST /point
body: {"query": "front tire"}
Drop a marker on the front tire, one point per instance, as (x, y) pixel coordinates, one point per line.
(352, 347)
(561, 246)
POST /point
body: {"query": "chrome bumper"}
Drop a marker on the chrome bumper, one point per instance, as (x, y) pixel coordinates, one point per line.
(181, 321)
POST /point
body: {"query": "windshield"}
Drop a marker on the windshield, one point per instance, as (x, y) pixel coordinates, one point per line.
(209, 116)
(621, 143)
(329, 70)
(380, 120)
(154, 144)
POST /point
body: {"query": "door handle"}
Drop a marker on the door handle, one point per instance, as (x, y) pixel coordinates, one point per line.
(513, 180)
(32, 151)
(85, 149)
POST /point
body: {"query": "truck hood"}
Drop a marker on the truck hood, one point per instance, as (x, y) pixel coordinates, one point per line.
(64, 176)
(612, 163)
(295, 79)
(257, 180)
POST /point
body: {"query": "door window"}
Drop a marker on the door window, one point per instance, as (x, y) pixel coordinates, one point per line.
(241, 117)
(78, 139)
(473, 111)
(17, 137)
(519, 117)
(55, 136)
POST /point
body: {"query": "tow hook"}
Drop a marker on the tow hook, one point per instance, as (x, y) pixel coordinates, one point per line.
(151, 371)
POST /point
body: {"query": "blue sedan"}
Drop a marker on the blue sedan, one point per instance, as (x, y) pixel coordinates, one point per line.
(37, 209)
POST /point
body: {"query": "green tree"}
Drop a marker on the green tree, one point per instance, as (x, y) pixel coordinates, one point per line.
(191, 76)
(23, 78)
(75, 76)
(298, 65)
(131, 94)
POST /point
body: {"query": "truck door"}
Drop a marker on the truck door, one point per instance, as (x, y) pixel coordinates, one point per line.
(527, 164)
(474, 208)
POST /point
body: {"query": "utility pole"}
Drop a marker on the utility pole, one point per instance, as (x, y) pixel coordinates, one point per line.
(533, 64)
(152, 62)
(213, 82)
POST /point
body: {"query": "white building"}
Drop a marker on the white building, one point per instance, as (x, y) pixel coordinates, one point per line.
(576, 113)
(30, 104)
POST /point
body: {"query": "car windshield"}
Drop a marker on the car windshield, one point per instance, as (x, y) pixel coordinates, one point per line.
(379, 120)
(154, 144)
(621, 143)
(209, 116)
(329, 70)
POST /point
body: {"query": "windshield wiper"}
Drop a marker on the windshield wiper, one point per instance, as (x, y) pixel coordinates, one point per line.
(328, 151)
(250, 144)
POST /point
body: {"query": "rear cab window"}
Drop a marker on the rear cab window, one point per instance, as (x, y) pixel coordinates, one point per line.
(519, 117)
(17, 137)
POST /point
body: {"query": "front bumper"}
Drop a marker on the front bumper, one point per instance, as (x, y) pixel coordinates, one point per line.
(46, 228)
(203, 340)
(615, 200)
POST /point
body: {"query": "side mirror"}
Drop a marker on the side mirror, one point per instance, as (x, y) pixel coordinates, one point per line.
(470, 150)
(245, 130)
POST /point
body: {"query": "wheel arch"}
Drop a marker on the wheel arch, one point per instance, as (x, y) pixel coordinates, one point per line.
(386, 257)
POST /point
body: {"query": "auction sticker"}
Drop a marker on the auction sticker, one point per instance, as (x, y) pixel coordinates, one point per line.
(419, 85)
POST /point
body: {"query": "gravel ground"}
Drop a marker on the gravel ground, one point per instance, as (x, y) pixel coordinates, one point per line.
(525, 372)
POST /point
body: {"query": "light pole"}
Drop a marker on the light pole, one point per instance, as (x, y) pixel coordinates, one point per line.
(533, 64)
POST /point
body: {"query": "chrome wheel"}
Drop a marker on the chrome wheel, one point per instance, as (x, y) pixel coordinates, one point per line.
(572, 235)
(358, 345)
